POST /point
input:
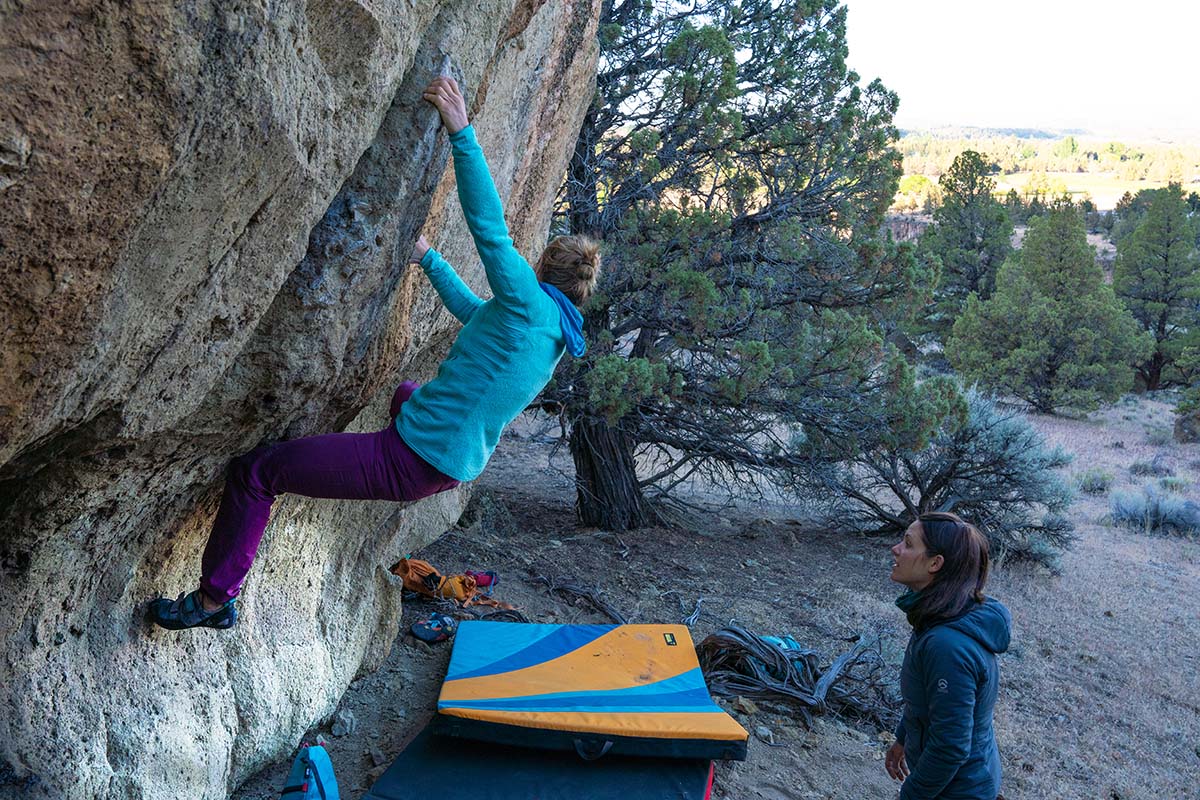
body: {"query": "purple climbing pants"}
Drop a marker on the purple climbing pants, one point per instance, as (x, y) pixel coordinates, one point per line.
(338, 466)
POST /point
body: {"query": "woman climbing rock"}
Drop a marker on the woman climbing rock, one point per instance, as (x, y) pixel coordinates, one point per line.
(441, 433)
(945, 747)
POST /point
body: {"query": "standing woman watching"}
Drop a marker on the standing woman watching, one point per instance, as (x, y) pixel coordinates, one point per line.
(945, 748)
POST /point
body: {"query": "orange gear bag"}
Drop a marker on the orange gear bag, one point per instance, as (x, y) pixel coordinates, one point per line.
(424, 579)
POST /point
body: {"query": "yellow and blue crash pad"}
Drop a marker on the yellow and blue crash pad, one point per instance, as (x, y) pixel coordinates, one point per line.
(595, 689)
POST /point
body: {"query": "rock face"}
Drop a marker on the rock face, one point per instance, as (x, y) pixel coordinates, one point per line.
(205, 213)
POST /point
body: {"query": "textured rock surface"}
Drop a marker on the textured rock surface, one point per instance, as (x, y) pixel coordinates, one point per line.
(205, 211)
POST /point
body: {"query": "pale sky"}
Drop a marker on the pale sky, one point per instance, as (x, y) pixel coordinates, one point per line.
(1105, 66)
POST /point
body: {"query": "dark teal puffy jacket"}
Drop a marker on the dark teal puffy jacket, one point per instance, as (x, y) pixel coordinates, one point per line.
(949, 682)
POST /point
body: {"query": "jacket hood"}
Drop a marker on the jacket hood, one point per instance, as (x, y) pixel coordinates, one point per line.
(988, 623)
(571, 319)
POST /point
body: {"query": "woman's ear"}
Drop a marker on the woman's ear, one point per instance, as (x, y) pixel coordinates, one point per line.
(936, 563)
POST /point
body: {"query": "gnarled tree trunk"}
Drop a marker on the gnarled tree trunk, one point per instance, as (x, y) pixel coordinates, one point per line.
(606, 485)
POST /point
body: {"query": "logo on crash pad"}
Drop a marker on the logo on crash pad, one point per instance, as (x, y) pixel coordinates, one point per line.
(670, 637)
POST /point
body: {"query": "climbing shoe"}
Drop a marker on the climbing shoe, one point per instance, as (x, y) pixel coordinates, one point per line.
(438, 628)
(187, 611)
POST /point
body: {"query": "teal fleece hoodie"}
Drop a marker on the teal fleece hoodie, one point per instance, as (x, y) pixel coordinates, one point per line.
(949, 683)
(508, 347)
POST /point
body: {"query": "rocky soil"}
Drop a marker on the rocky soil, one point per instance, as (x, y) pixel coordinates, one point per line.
(1100, 694)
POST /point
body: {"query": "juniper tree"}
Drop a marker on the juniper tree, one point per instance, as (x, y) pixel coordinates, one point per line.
(969, 238)
(737, 174)
(1014, 206)
(1129, 212)
(1053, 334)
(1157, 275)
(1187, 422)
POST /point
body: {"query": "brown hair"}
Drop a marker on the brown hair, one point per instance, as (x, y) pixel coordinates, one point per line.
(960, 581)
(571, 264)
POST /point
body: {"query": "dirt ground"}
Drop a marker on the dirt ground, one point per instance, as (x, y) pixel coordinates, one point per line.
(1100, 692)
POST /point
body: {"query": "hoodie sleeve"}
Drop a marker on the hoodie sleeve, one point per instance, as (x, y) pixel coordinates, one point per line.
(512, 280)
(456, 295)
(950, 682)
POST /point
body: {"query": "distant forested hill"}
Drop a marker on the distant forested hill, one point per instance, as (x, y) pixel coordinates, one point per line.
(968, 132)
(1048, 163)
(1011, 150)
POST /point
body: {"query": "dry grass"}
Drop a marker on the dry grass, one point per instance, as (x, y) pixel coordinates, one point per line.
(1100, 694)
(1104, 188)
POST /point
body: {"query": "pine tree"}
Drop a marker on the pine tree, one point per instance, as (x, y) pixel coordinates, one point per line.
(1130, 211)
(1053, 334)
(1036, 208)
(1187, 420)
(969, 240)
(1015, 206)
(1157, 275)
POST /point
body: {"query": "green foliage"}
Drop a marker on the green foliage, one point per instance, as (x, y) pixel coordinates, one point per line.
(1156, 467)
(1066, 148)
(1130, 211)
(1159, 435)
(1189, 365)
(931, 152)
(1151, 510)
(617, 385)
(966, 456)
(916, 184)
(1100, 221)
(969, 239)
(1036, 208)
(904, 413)
(1157, 275)
(1053, 334)
(703, 67)
(1044, 188)
(738, 174)
(916, 193)
(1015, 207)
(971, 232)
(1173, 485)
(1094, 480)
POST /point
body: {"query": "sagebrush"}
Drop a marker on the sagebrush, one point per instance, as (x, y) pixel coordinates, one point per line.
(991, 467)
(1094, 480)
(1150, 509)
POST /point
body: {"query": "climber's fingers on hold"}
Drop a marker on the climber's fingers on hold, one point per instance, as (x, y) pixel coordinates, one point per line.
(443, 86)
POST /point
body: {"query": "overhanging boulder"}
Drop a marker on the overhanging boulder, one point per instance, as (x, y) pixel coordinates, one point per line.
(205, 213)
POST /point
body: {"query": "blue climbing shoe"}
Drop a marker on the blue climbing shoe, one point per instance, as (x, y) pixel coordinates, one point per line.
(438, 628)
(187, 611)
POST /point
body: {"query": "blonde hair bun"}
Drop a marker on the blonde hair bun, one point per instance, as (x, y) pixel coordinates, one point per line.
(572, 265)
